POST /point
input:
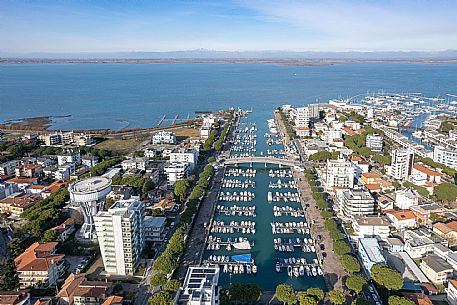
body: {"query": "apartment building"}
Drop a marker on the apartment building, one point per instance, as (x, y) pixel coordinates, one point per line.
(8, 168)
(78, 290)
(28, 170)
(17, 203)
(21, 297)
(354, 202)
(154, 228)
(425, 176)
(189, 156)
(302, 117)
(437, 270)
(120, 233)
(175, 172)
(446, 156)
(375, 142)
(135, 164)
(370, 253)
(451, 292)
(339, 174)
(401, 165)
(39, 265)
(164, 137)
(371, 226)
(69, 156)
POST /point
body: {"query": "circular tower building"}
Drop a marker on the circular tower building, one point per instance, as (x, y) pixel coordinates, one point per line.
(90, 194)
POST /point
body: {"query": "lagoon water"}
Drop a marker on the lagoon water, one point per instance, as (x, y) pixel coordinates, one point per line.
(138, 95)
(121, 96)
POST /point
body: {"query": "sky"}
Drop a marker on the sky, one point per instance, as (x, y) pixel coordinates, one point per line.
(240, 25)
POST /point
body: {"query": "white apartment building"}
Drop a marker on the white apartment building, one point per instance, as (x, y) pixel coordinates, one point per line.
(401, 165)
(375, 142)
(333, 134)
(69, 157)
(164, 137)
(302, 117)
(354, 202)
(135, 164)
(406, 198)
(200, 287)
(451, 292)
(176, 171)
(40, 265)
(8, 168)
(446, 156)
(371, 226)
(120, 233)
(154, 228)
(189, 156)
(313, 110)
(340, 174)
(67, 138)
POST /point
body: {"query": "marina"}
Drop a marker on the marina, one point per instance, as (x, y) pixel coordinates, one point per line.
(264, 238)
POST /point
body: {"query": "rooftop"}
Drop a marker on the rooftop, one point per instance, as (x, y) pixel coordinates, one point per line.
(402, 214)
(372, 220)
(372, 249)
(436, 263)
(90, 185)
(38, 257)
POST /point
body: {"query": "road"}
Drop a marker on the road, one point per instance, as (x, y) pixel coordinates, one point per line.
(333, 270)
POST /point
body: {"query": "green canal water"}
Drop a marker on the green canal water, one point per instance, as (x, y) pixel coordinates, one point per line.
(263, 252)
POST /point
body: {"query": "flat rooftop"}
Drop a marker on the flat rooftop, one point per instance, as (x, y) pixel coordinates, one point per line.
(90, 185)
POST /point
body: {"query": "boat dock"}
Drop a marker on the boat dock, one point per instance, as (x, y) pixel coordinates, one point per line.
(235, 210)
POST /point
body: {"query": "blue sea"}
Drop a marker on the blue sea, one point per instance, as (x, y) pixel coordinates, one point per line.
(120, 96)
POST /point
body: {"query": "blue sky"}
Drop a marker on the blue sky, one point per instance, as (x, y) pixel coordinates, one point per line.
(251, 25)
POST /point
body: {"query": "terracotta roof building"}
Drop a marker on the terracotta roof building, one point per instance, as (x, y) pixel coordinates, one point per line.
(447, 231)
(54, 187)
(17, 203)
(28, 170)
(39, 265)
(21, 297)
(77, 290)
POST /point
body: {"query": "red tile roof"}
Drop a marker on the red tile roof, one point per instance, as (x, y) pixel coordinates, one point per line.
(426, 170)
(38, 257)
(402, 214)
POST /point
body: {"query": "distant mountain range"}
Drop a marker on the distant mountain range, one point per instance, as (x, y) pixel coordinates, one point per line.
(254, 55)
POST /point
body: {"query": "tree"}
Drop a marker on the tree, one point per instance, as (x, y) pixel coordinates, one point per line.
(172, 286)
(316, 293)
(181, 187)
(239, 292)
(9, 280)
(383, 160)
(212, 159)
(108, 203)
(51, 235)
(147, 186)
(322, 203)
(326, 214)
(337, 297)
(341, 247)
(304, 299)
(360, 301)
(446, 192)
(161, 298)
(350, 263)
(386, 277)
(286, 294)
(396, 300)
(356, 283)
(158, 279)
(336, 235)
